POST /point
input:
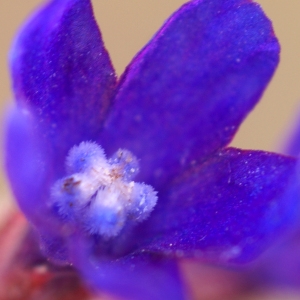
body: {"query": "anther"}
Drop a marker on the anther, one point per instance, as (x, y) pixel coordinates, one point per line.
(99, 194)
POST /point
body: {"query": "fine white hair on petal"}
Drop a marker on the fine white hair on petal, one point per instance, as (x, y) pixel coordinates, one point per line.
(83, 157)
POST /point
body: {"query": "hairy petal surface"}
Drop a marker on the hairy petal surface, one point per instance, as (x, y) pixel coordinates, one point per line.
(185, 94)
(62, 72)
(133, 277)
(227, 210)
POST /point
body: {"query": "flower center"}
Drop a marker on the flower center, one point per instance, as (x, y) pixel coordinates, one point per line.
(98, 194)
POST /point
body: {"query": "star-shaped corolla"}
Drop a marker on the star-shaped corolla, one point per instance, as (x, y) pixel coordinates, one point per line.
(121, 177)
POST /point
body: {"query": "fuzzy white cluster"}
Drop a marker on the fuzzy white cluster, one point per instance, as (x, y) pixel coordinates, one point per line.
(99, 193)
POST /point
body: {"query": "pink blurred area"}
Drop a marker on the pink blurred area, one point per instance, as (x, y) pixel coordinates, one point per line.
(208, 282)
(26, 275)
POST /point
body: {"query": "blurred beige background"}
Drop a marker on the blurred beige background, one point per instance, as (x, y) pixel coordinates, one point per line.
(128, 24)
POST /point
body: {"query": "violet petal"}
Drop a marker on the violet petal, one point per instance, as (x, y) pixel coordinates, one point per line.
(280, 265)
(227, 210)
(62, 72)
(292, 142)
(135, 277)
(28, 168)
(186, 93)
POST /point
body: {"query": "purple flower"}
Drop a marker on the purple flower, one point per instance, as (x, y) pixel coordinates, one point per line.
(163, 184)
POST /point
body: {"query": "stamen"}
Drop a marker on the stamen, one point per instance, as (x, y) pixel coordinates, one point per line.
(128, 162)
(99, 194)
(83, 157)
(144, 199)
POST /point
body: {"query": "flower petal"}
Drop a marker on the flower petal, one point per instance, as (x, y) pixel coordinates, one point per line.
(140, 277)
(280, 265)
(63, 73)
(227, 210)
(28, 169)
(25, 163)
(185, 94)
(292, 137)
